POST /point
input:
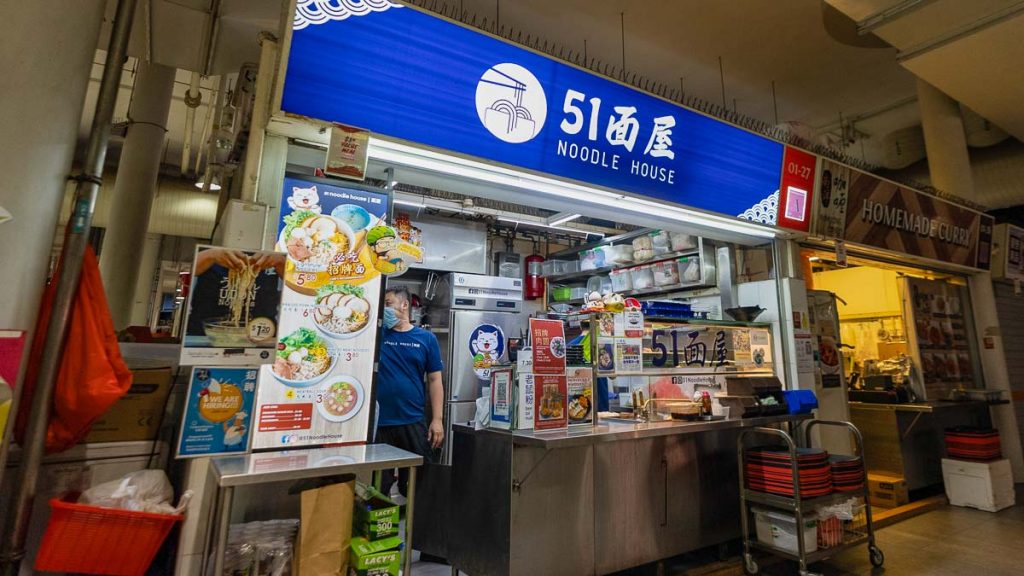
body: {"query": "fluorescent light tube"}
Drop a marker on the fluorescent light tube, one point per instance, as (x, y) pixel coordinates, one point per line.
(562, 218)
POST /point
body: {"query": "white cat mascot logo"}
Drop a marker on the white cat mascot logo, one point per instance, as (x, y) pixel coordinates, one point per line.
(304, 199)
(487, 343)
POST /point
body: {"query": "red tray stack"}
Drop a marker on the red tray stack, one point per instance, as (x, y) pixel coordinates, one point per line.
(979, 444)
(769, 470)
(847, 473)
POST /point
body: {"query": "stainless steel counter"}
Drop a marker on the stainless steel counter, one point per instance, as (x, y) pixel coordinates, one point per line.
(621, 430)
(908, 439)
(266, 467)
(930, 406)
(593, 500)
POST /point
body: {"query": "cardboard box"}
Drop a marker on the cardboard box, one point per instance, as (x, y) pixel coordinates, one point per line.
(380, 558)
(376, 516)
(138, 414)
(887, 491)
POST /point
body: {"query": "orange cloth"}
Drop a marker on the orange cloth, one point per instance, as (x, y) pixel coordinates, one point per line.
(92, 375)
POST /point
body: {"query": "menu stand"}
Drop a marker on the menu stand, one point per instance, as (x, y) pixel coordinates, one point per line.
(259, 468)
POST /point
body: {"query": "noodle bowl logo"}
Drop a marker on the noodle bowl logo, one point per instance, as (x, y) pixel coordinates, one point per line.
(511, 103)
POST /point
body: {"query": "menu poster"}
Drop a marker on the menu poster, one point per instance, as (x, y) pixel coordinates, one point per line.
(217, 412)
(234, 302)
(501, 398)
(547, 338)
(549, 412)
(632, 323)
(942, 338)
(629, 356)
(525, 397)
(605, 356)
(580, 387)
(319, 389)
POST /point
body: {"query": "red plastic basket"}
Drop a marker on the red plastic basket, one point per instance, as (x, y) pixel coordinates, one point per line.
(91, 540)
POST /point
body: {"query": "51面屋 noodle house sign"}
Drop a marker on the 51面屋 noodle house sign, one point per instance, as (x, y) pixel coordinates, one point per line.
(864, 209)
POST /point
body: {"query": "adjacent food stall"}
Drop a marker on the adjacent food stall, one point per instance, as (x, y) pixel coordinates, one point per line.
(895, 279)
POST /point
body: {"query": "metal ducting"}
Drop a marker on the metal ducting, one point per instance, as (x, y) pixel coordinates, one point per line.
(894, 151)
(179, 209)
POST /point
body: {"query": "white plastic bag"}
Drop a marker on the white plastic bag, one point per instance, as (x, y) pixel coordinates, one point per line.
(483, 412)
(140, 491)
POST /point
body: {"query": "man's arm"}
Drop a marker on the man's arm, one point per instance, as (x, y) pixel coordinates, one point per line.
(435, 432)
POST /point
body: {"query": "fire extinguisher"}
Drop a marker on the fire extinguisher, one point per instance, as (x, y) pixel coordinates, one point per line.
(534, 281)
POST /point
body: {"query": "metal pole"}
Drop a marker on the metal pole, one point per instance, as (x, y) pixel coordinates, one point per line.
(17, 520)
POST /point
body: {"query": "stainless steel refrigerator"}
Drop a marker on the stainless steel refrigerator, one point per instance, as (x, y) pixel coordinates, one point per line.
(475, 317)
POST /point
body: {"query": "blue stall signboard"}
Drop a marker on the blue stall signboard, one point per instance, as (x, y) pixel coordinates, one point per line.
(407, 74)
(218, 412)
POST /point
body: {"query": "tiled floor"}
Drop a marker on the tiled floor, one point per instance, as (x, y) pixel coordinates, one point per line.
(948, 541)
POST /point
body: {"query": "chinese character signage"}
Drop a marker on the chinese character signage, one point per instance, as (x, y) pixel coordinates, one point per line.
(319, 388)
(547, 339)
(218, 411)
(864, 209)
(414, 76)
(233, 304)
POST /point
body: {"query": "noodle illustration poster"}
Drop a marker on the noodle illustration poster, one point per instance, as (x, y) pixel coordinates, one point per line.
(233, 307)
(217, 413)
(318, 387)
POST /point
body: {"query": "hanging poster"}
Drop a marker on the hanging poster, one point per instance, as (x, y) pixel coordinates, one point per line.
(319, 389)
(580, 389)
(549, 412)
(1008, 252)
(218, 411)
(234, 301)
(487, 346)
(347, 152)
(547, 338)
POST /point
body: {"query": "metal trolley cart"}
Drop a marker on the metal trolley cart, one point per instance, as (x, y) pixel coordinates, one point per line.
(853, 533)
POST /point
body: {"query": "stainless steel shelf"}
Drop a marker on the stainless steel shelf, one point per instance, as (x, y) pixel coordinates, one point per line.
(263, 467)
(807, 504)
(850, 539)
(584, 274)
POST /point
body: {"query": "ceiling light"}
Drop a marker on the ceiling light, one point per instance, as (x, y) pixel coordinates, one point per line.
(406, 155)
(407, 203)
(214, 183)
(562, 218)
(549, 226)
(814, 258)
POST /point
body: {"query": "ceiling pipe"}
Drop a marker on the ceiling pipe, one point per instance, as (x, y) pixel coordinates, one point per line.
(212, 163)
(193, 98)
(258, 122)
(19, 510)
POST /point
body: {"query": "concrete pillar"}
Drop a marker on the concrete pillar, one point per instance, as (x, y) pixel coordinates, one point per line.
(135, 187)
(142, 303)
(46, 53)
(945, 142)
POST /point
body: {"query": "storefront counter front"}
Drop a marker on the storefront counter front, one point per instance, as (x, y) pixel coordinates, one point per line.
(907, 439)
(593, 501)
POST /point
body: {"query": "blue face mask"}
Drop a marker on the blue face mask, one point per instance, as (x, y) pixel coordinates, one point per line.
(390, 317)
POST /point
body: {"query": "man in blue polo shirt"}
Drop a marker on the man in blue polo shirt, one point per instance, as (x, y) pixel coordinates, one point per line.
(409, 355)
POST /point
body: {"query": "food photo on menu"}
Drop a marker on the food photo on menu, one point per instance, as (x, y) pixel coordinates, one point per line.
(234, 301)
